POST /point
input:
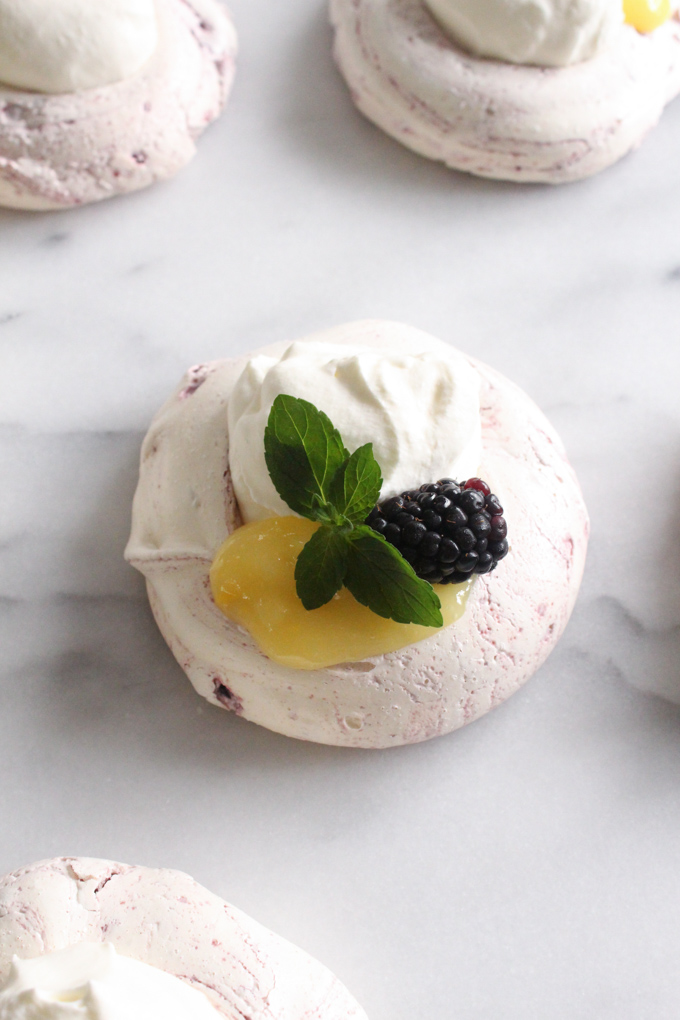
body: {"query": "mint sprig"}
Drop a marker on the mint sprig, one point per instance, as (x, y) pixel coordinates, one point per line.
(377, 578)
(321, 567)
(316, 476)
(356, 485)
(303, 452)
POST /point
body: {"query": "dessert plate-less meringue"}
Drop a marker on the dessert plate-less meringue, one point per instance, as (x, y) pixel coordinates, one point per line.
(500, 115)
(116, 942)
(106, 137)
(185, 508)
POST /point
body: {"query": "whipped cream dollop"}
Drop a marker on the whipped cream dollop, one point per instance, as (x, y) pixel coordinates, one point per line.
(91, 981)
(550, 33)
(73, 45)
(421, 412)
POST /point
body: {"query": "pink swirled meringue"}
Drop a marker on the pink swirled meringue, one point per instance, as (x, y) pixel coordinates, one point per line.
(66, 149)
(503, 120)
(165, 919)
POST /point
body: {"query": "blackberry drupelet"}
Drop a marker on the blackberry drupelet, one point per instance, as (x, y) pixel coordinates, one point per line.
(446, 530)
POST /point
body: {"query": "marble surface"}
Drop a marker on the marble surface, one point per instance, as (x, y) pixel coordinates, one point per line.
(524, 867)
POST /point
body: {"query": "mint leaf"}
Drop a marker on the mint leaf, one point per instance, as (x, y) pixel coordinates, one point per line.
(316, 476)
(303, 451)
(380, 578)
(356, 485)
(321, 566)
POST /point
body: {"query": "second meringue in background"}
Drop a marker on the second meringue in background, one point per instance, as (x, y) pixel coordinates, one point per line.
(504, 601)
(523, 90)
(98, 100)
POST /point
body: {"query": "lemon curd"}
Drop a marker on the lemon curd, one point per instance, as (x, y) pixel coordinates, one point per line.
(646, 15)
(253, 583)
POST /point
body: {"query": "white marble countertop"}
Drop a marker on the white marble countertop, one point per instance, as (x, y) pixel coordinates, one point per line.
(526, 867)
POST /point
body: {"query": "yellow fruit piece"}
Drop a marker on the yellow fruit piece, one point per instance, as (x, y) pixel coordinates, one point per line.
(253, 583)
(646, 15)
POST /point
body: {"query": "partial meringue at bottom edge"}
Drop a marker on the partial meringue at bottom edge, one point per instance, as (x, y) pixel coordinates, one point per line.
(165, 919)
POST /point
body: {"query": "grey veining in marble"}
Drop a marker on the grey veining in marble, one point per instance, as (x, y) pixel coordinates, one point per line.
(527, 867)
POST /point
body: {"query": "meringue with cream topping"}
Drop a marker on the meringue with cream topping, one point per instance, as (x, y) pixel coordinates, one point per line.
(125, 89)
(414, 68)
(173, 940)
(185, 509)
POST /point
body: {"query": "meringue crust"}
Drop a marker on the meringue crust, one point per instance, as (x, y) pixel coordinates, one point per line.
(185, 507)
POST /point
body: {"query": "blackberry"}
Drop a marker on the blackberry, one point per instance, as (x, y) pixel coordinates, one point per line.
(446, 530)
